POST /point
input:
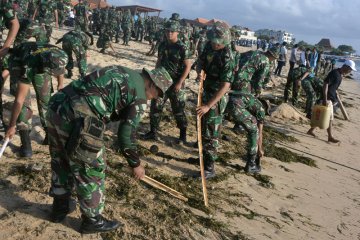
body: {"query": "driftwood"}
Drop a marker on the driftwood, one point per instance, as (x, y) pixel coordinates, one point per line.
(152, 182)
(342, 108)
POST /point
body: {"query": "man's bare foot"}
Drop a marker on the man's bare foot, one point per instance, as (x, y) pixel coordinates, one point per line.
(311, 133)
(333, 140)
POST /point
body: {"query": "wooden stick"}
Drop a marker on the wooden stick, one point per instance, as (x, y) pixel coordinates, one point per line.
(198, 119)
(152, 182)
(2, 150)
(343, 110)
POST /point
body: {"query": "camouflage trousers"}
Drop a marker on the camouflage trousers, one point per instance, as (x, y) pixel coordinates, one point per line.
(43, 86)
(80, 54)
(313, 88)
(211, 124)
(81, 23)
(127, 34)
(88, 179)
(104, 41)
(246, 110)
(177, 101)
(291, 84)
(139, 34)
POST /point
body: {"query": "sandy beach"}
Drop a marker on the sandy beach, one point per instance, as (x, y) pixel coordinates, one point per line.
(308, 188)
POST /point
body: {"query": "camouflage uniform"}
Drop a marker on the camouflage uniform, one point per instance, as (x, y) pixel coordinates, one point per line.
(104, 38)
(29, 29)
(244, 108)
(22, 10)
(313, 87)
(46, 10)
(111, 94)
(139, 25)
(96, 21)
(218, 67)
(126, 27)
(61, 13)
(77, 42)
(294, 76)
(81, 21)
(118, 18)
(34, 63)
(171, 56)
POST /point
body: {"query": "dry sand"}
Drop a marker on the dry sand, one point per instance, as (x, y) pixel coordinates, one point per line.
(288, 200)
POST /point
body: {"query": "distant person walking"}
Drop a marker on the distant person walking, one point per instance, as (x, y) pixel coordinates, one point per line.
(293, 57)
(282, 59)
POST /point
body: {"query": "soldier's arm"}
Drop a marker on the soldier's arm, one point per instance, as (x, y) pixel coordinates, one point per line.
(56, 18)
(127, 133)
(202, 110)
(22, 90)
(14, 28)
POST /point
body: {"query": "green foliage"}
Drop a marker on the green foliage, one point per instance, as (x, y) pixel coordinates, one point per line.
(346, 49)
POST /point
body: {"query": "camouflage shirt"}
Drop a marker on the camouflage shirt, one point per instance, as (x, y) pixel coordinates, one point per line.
(172, 57)
(6, 13)
(31, 58)
(217, 65)
(46, 10)
(76, 39)
(117, 91)
(81, 9)
(253, 73)
(298, 72)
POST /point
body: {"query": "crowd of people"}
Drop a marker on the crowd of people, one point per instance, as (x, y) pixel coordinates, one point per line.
(74, 118)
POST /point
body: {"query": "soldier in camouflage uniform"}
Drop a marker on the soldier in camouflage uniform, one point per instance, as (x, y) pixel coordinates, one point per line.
(76, 42)
(77, 116)
(174, 56)
(33, 64)
(81, 16)
(139, 25)
(126, 26)
(96, 21)
(217, 63)
(313, 87)
(244, 108)
(118, 18)
(60, 6)
(45, 13)
(294, 79)
(157, 38)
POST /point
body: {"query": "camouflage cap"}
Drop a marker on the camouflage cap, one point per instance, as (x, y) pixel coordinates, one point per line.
(274, 51)
(172, 26)
(175, 17)
(160, 77)
(219, 34)
(55, 59)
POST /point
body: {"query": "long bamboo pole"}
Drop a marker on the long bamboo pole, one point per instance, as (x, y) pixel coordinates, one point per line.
(200, 146)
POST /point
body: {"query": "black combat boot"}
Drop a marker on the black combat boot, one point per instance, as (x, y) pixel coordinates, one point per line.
(60, 208)
(209, 170)
(152, 135)
(253, 164)
(25, 149)
(182, 137)
(69, 74)
(97, 224)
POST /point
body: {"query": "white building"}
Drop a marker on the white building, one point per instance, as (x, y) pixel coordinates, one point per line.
(276, 36)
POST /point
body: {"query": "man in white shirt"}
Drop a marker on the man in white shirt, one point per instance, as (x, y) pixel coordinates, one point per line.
(293, 57)
(282, 59)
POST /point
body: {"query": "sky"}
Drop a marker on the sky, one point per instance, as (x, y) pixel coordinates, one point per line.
(308, 20)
